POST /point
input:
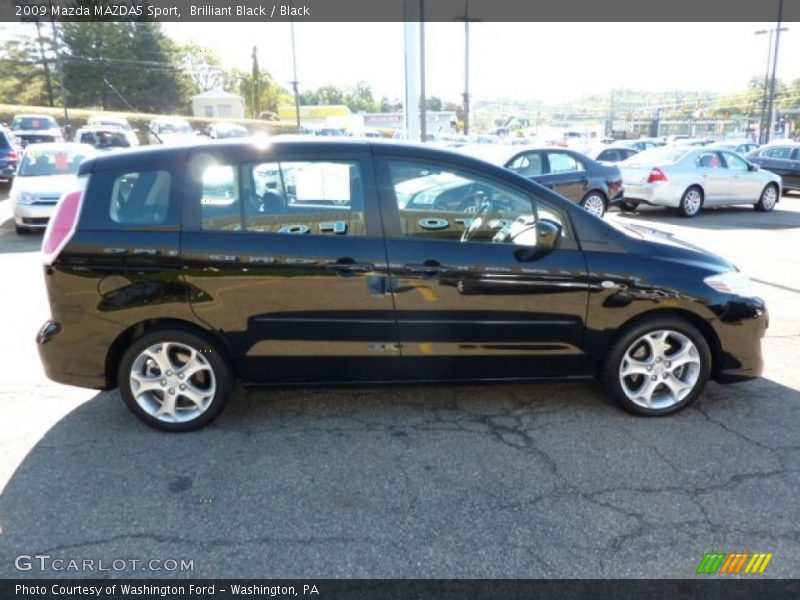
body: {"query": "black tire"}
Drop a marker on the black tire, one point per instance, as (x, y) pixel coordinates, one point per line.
(221, 377)
(764, 203)
(687, 207)
(21, 230)
(595, 197)
(612, 377)
(628, 206)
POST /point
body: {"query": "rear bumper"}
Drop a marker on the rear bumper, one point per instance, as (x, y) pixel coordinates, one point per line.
(740, 328)
(652, 193)
(66, 360)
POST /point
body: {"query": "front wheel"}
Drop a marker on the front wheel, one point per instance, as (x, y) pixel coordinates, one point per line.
(768, 199)
(594, 203)
(174, 380)
(691, 202)
(658, 366)
(628, 206)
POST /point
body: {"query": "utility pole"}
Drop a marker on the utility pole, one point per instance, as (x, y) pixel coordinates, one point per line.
(60, 67)
(45, 64)
(256, 95)
(610, 127)
(762, 121)
(423, 113)
(295, 83)
(770, 111)
(467, 21)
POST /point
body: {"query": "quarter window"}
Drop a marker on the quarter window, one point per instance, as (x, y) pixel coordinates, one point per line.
(140, 198)
(448, 204)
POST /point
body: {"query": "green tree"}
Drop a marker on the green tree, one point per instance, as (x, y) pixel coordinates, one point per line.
(23, 78)
(136, 57)
(269, 97)
(433, 103)
(359, 98)
(203, 67)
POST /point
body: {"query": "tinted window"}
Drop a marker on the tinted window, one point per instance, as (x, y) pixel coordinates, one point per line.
(561, 162)
(448, 204)
(611, 155)
(528, 165)
(708, 160)
(294, 197)
(780, 152)
(140, 198)
(21, 123)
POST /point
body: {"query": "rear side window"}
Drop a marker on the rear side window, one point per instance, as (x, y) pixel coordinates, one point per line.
(287, 197)
(139, 200)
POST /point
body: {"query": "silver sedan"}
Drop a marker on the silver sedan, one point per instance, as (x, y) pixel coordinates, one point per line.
(690, 179)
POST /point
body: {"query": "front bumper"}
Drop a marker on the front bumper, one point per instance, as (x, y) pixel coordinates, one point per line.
(33, 215)
(741, 326)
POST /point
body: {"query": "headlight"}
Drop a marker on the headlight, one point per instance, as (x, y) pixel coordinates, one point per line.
(732, 282)
(26, 198)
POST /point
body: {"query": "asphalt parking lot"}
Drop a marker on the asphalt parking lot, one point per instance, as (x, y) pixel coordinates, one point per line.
(470, 481)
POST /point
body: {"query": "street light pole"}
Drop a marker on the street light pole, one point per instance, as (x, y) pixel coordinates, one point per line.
(423, 113)
(770, 115)
(466, 20)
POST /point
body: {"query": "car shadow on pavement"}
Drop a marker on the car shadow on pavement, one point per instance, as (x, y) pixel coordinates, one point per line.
(442, 481)
(728, 217)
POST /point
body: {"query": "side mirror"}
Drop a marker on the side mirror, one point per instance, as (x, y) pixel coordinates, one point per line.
(547, 234)
(753, 166)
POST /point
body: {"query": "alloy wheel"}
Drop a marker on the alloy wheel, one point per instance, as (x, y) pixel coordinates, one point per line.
(768, 198)
(660, 369)
(595, 205)
(692, 202)
(173, 382)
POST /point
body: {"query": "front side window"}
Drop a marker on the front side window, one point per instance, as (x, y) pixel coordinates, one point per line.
(438, 202)
(292, 197)
(708, 160)
(735, 163)
(561, 162)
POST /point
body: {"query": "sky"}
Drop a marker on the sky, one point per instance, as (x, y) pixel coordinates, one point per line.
(551, 62)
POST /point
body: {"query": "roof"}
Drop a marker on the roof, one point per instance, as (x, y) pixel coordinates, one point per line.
(216, 94)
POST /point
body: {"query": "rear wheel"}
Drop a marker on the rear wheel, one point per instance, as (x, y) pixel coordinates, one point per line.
(594, 203)
(628, 206)
(691, 202)
(658, 366)
(174, 380)
(768, 199)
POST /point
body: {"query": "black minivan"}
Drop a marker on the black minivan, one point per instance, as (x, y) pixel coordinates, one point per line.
(174, 271)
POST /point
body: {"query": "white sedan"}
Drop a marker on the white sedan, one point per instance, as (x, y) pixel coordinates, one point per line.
(689, 179)
(45, 172)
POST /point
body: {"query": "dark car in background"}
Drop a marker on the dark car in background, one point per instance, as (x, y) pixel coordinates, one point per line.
(572, 174)
(781, 159)
(219, 131)
(390, 263)
(611, 154)
(36, 129)
(9, 156)
(103, 137)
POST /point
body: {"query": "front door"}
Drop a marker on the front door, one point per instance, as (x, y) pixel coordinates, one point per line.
(713, 177)
(285, 258)
(567, 175)
(474, 297)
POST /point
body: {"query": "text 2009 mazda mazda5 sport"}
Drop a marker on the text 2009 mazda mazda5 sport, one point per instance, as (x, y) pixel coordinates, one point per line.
(173, 271)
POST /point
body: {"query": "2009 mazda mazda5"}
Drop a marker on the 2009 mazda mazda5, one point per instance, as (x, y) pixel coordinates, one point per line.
(172, 272)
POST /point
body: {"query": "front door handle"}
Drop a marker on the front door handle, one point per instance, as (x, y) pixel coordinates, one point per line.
(348, 266)
(430, 268)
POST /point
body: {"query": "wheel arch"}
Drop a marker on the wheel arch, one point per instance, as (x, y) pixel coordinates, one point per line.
(701, 324)
(137, 330)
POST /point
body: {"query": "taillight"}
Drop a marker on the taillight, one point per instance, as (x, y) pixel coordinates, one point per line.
(62, 224)
(13, 156)
(656, 176)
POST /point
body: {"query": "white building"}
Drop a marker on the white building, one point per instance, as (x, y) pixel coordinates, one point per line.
(218, 104)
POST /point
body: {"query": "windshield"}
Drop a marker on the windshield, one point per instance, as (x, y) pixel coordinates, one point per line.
(34, 123)
(174, 127)
(104, 139)
(656, 156)
(39, 163)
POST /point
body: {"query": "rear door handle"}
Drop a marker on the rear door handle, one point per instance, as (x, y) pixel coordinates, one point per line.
(348, 266)
(430, 268)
